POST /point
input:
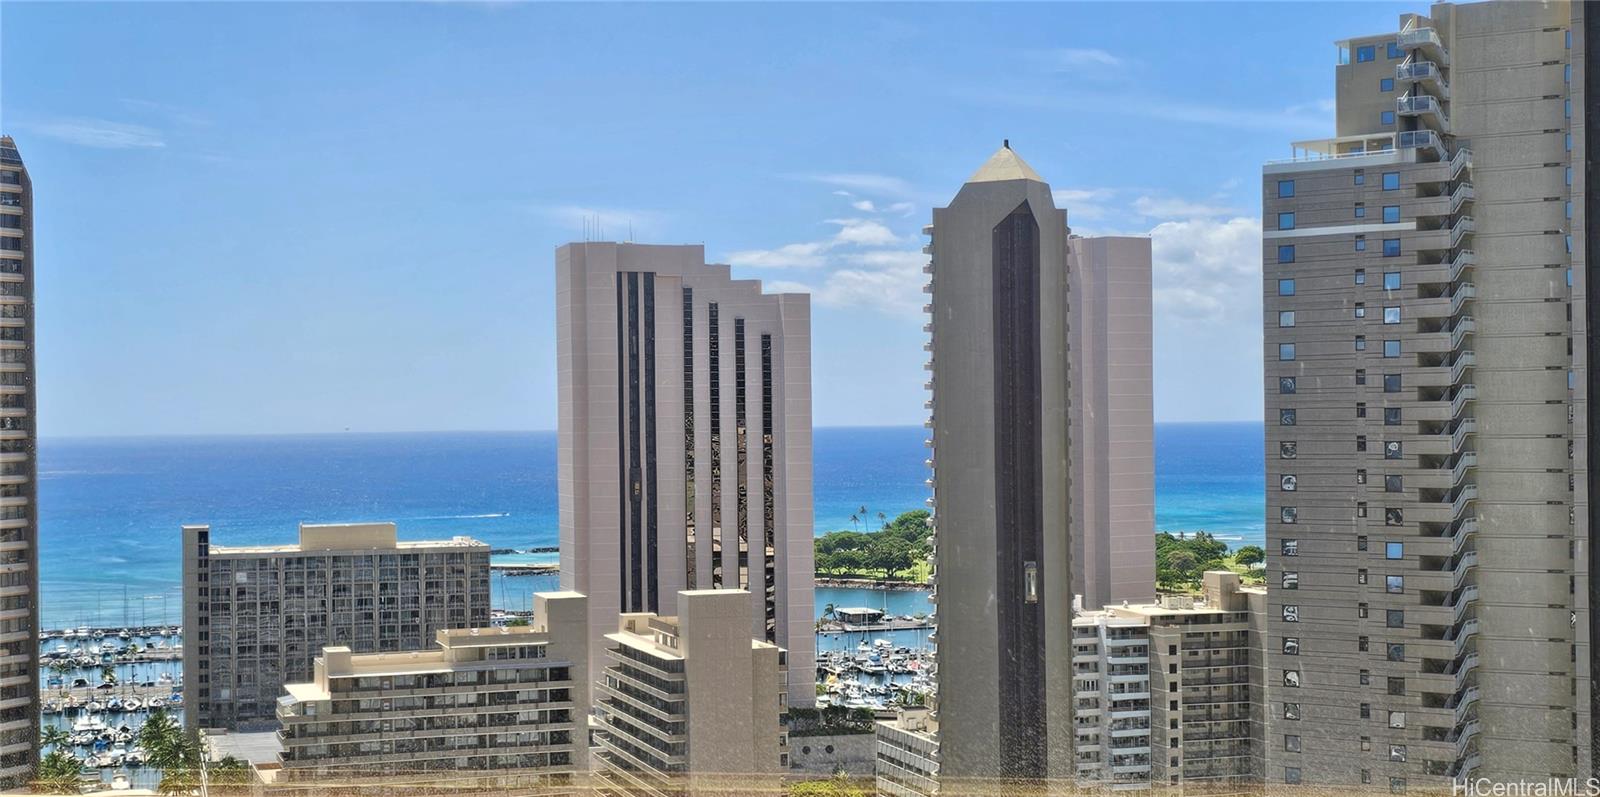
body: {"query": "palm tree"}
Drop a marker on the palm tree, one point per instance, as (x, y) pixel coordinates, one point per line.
(54, 736)
(883, 521)
(61, 668)
(829, 612)
(57, 774)
(863, 512)
(165, 744)
(855, 522)
(108, 673)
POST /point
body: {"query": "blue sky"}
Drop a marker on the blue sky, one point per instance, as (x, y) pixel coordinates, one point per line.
(281, 217)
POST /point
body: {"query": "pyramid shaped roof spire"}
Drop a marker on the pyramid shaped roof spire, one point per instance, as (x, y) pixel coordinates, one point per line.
(1004, 164)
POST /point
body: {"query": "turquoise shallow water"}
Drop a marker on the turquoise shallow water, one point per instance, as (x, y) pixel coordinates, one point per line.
(110, 508)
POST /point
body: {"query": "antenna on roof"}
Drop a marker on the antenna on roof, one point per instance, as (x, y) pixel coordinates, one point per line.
(1005, 142)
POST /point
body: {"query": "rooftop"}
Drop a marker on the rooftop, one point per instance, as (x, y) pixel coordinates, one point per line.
(1003, 165)
(348, 537)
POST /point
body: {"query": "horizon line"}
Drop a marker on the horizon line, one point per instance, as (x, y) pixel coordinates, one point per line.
(371, 433)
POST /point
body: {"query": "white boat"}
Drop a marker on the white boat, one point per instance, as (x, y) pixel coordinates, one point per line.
(132, 704)
(88, 724)
(121, 782)
(154, 703)
(135, 757)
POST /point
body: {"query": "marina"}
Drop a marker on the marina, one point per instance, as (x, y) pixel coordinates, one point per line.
(875, 675)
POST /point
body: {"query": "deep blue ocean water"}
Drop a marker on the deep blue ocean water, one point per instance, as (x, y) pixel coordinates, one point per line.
(110, 508)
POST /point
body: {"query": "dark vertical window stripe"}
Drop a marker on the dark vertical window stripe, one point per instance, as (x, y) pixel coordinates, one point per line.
(741, 454)
(715, 355)
(1019, 485)
(652, 507)
(1591, 222)
(634, 602)
(768, 515)
(690, 580)
(622, 433)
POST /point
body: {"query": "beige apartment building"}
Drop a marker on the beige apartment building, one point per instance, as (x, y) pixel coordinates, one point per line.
(1111, 383)
(907, 762)
(1428, 430)
(685, 441)
(255, 617)
(1000, 460)
(692, 704)
(1167, 695)
(498, 710)
(19, 524)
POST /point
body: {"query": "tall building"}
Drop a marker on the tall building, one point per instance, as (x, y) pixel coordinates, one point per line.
(1428, 431)
(685, 441)
(691, 705)
(255, 617)
(1113, 420)
(1167, 694)
(19, 524)
(1003, 557)
(490, 710)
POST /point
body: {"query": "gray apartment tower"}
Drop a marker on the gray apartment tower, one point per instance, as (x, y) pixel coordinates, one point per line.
(1428, 428)
(256, 617)
(1113, 420)
(19, 524)
(1003, 558)
(685, 442)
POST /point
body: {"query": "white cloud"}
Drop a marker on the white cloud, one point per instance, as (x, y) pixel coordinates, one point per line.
(877, 184)
(1064, 58)
(1171, 207)
(889, 281)
(902, 208)
(99, 133)
(863, 205)
(804, 255)
(1208, 269)
(863, 232)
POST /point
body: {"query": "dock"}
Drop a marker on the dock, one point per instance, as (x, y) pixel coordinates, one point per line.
(527, 568)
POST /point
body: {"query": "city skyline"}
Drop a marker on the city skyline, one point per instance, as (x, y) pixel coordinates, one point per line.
(828, 195)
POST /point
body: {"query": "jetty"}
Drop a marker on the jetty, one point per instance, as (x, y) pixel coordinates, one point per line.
(526, 568)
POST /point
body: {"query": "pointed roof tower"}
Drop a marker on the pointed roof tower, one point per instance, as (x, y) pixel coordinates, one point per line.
(1004, 165)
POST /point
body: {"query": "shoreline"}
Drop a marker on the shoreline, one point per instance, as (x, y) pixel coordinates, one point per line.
(840, 582)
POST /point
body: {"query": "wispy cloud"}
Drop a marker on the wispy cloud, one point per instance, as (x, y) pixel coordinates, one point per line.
(1071, 58)
(1296, 119)
(170, 112)
(98, 133)
(875, 184)
(1172, 207)
(802, 255)
(863, 232)
(887, 281)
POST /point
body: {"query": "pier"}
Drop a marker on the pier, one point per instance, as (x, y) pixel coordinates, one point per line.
(527, 568)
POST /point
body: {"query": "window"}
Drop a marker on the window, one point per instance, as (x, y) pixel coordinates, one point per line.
(1391, 279)
(1291, 614)
(1361, 376)
(1386, 117)
(1286, 287)
(1397, 686)
(1391, 416)
(1291, 775)
(1361, 309)
(1394, 516)
(1361, 210)
(1569, 39)
(1361, 613)
(1391, 315)
(1291, 743)
(1391, 214)
(1569, 175)
(1285, 318)
(1285, 189)
(1397, 651)
(1566, 73)
(1391, 247)
(1361, 542)
(1366, 53)
(1359, 176)
(1286, 385)
(1394, 585)
(1394, 618)
(1291, 711)
(1386, 84)
(1289, 514)
(1364, 711)
(1361, 246)
(1361, 442)
(1291, 679)
(1286, 253)
(1361, 506)
(1391, 348)
(1361, 343)
(1361, 409)
(1289, 547)
(1361, 475)
(1286, 351)
(1361, 575)
(1291, 579)
(1397, 719)
(1286, 417)
(1391, 383)
(1397, 785)
(1288, 449)
(1395, 51)
(1391, 181)
(1393, 484)
(1392, 450)
(1285, 221)
(1366, 680)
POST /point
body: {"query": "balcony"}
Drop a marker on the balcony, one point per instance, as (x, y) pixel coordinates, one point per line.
(1464, 565)
(1463, 702)
(1425, 108)
(1463, 194)
(1463, 602)
(1425, 40)
(1465, 461)
(1463, 227)
(1464, 767)
(1463, 293)
(1424, 140)
(1417, 70)
(1458, 435)
(1462, 159)
(1464, 497)
(1464, 326)
(1465, 669)
(1463, 634)
(1460, 364)
(1464, 737)
(1460, 532)
(1458, 401)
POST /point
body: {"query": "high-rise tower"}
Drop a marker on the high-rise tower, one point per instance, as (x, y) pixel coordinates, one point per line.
(1000, 427)
(685, 442)
(1428, 426)
(19, 523)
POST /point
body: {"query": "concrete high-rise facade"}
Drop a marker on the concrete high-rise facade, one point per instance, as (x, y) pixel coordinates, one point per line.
(19, 523)
(1113, 420)
(487, 710)
(1428, 428)
(256, 617)
(1003, 556)
(685, 441)
(691, 705)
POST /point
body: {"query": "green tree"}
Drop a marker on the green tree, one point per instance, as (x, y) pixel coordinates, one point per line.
(57, 774)
(165, 744)
(1250, 555)
(830, 612)
(517, 622)
(889, 554)
(108, 673)
(54, 736)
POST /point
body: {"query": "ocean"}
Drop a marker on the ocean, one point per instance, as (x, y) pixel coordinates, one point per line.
(110, 508)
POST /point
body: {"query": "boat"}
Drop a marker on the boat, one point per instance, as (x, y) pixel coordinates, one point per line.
(121, 782)
(154, 703)
(135, 757)
(132, 704)
(165, 679)
(124, 635)
(98, 634)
